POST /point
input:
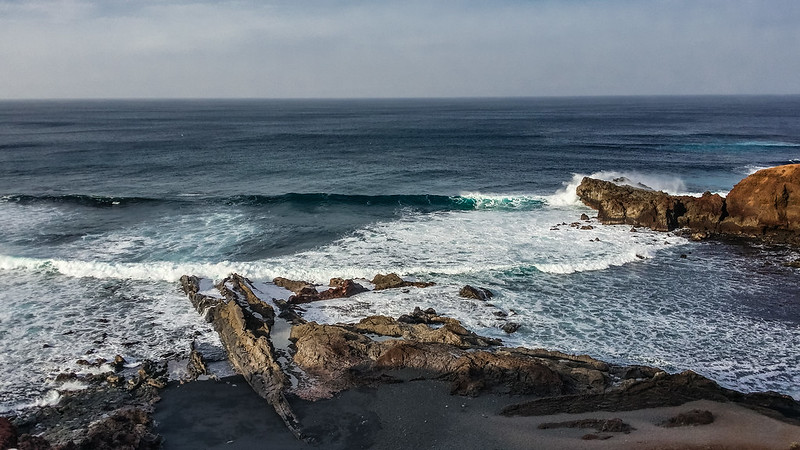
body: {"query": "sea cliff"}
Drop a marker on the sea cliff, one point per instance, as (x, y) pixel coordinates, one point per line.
(764, 206)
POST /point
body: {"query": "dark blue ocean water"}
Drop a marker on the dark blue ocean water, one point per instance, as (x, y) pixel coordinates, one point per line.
(104, 205)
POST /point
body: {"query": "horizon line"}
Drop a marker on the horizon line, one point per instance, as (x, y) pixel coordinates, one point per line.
(493, 97)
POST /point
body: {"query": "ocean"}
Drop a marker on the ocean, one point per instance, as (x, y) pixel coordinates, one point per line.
(105, 204)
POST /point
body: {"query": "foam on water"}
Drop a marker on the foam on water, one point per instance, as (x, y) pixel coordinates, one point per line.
(566, 196)
(616, 294)
(50, 321)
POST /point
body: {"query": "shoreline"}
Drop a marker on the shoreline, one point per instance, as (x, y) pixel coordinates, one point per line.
(421, 380)
(423, 414)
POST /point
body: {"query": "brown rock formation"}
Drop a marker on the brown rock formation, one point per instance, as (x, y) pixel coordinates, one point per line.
(292, 285)
(476, 293)
(393, 280)
(339, 289)
(766, 202)
(765, 205)
(327, 359)
(657, 210)
(662, 389)
(245, 334)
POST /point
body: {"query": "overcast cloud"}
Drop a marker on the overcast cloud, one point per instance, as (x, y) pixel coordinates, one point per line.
(172, 48)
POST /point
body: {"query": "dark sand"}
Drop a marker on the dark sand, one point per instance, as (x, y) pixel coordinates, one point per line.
(421, 414)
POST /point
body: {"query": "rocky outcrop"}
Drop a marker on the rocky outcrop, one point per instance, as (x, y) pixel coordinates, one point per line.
(661, 389)
(623, 204)
(340, 288)
(392, 280)
(106, 414)
(476, 293)
(292, 285)
(340, 357)
(326, 359)
(243, 324)
(765, 205)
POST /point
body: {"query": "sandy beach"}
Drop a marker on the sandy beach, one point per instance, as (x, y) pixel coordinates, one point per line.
(422, 414)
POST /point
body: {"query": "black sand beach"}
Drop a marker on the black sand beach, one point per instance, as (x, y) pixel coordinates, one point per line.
(422, 414)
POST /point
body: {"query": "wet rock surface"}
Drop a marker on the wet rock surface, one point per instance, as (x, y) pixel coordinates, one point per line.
(392, 280)
(475, 292)
(693, 417)
(764, 205)
(104, 415)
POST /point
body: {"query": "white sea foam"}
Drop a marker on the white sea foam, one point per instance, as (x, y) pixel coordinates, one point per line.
(767, 144)
(566, 196)
(49, 321)
(752, 168)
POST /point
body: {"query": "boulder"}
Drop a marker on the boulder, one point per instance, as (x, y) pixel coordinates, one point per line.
(766, 202)
(292, 285)
(393, 280)
(476, 293)
(339, 289)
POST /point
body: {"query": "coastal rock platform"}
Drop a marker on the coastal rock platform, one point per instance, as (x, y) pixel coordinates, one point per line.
(763, 206)
(419, 380)
(367, 384)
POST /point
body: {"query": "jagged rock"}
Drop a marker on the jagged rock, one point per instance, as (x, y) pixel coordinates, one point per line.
(659, 211)
(511, 327)
(420, 316)
(304, 295)
(125, 429)
(292, 285)
(340, 289)
(693, 417)
(245, 338)
(393, 280)
(196, 365)
(334, 353)
(764, 205)
(30, 442)
(476, 293)
(584, 216)
(119, 363)
(660, 390)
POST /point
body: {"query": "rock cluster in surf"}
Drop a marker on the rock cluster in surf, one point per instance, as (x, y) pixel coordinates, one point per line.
(765, 205)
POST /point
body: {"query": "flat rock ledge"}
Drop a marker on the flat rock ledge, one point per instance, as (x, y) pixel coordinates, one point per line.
(765, 206)
(321, 360)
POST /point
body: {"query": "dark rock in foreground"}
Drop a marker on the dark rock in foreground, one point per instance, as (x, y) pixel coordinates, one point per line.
(693, 417)
(765, 205)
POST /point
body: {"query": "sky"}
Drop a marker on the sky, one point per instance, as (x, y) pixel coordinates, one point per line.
(374, 48)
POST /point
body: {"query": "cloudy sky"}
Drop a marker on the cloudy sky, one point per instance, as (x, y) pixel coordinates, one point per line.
(373, 48)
